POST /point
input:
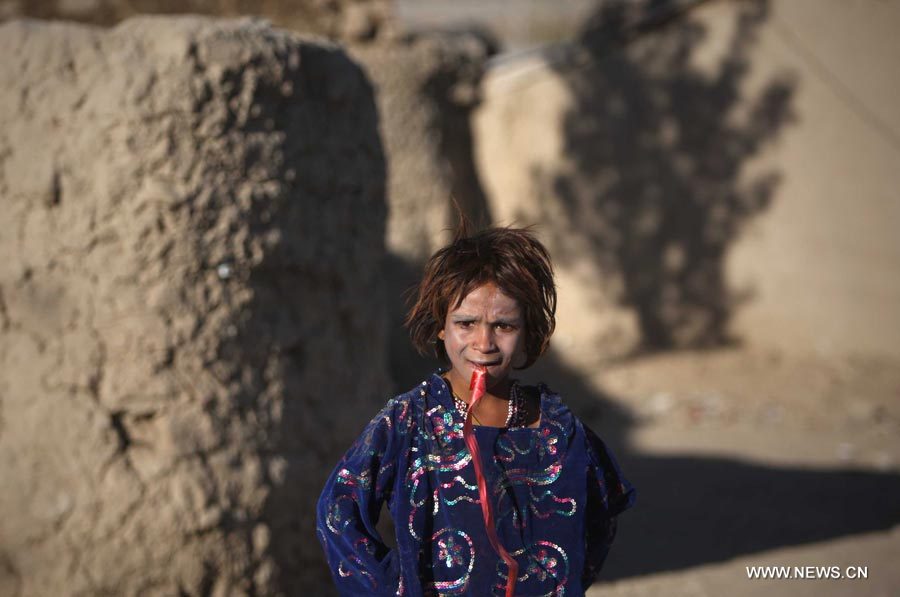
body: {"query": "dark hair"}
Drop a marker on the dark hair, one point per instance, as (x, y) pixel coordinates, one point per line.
(511, 258)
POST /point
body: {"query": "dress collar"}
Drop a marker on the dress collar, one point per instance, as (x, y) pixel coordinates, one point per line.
(439, 389)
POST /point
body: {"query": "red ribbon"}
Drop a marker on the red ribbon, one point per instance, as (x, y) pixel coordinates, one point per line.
(477, 387)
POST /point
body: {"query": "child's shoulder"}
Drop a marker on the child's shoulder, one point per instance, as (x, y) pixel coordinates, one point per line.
(551, 403)
(403, 407)
(417, 394)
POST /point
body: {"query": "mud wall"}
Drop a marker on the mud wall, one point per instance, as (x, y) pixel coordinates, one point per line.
(339, 19)
(193, 216)
(820, 269)
(708, 176)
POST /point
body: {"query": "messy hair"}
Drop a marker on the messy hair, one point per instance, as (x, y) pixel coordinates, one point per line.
(511, 258)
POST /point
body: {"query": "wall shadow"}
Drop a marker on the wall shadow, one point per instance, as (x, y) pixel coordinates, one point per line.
(407, 367)
(657, 148)
(455, 91)
(320, 370)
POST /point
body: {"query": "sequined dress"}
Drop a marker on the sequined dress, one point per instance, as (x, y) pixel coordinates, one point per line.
(556, 491)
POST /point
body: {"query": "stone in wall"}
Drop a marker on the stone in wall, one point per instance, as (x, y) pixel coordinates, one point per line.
(191, 310)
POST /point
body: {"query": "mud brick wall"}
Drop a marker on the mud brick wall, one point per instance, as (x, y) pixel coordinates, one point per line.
(191, 313)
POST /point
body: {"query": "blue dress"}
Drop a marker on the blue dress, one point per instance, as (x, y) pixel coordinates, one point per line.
(556, 491)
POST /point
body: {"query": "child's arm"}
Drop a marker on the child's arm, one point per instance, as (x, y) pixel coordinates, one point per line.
(608, 495)
(350, 505)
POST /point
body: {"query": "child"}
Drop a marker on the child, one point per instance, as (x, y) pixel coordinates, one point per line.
(494, 487)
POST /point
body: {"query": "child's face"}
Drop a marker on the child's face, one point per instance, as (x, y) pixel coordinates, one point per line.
(487, 329)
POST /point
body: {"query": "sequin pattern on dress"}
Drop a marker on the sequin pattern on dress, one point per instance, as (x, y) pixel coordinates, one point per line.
(555, 489)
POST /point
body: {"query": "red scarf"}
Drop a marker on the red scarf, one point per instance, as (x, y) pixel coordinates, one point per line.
(477, 387)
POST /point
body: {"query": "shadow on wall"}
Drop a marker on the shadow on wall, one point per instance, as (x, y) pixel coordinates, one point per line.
(657, 148)
(407, 367)
(327, 293)
(456, 93)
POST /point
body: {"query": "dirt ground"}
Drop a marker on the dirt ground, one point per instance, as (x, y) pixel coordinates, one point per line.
(746, 457)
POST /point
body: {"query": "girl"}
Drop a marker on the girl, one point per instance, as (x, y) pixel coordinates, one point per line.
(494, 487)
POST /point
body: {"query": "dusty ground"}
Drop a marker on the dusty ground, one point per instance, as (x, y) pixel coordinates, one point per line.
(746, 457)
